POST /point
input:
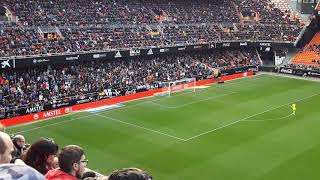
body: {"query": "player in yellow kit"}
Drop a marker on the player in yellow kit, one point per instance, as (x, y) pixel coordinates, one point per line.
(294, 108)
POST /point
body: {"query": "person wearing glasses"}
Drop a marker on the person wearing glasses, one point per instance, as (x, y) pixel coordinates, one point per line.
(72, 164)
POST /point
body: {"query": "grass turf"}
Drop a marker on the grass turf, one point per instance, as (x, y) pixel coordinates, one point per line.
(238, 130)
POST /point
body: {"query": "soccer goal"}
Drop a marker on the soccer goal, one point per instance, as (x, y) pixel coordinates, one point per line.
(176, 86)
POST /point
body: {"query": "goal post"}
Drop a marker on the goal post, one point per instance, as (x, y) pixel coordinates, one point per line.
(180, 85)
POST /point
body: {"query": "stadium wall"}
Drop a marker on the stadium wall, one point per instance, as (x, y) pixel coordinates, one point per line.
(291, 71)
(66, 110)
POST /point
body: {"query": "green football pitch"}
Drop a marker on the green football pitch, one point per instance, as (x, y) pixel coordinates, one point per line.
(243, 129)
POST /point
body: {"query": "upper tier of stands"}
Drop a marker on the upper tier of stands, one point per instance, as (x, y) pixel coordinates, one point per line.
(113, 24)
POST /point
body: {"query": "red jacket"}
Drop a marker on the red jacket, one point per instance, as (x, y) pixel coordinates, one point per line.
(57, 174)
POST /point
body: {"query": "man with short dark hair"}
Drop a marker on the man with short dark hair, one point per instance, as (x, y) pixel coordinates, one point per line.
(129, 174)
(72, 164)
(6, 148)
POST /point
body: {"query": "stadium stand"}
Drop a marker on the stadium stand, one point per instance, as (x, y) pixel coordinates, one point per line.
(90, 26)
(310, 54)
(105, 25)
(31, 87)
(308, 57)
(284, 6)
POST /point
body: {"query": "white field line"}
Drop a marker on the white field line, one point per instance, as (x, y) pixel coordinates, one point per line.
(73, 119)
(235, 122)
(193, 102)
(141, 127)
(211, 86)
(261, 120)
(52, 124)
(158, 132)
(161, 105)
(272, 119)
(124, 107)
(188, 92)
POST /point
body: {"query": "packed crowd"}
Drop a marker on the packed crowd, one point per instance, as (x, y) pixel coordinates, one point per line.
(264, 11)
(262, 32)
(105, 25)
(80, 12)
(44, 160)
(33, 86)
(83, 13)
(21, 42)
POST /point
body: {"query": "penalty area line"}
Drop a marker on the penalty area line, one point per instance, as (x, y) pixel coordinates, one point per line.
(243, 119)
(141, 127)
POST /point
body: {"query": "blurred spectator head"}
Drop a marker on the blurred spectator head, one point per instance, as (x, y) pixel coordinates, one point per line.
(25, 148)
(129, 174)
(19, 172)
(6, 148)
(97, 178)
(19, 141)
(55, 163)
(41, 154)
(19, 146)
(72, 160)
(88, 174)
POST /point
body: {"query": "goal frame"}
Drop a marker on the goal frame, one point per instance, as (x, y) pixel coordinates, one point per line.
(175, 86)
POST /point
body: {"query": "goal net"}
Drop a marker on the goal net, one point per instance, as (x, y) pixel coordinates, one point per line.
(176, 86)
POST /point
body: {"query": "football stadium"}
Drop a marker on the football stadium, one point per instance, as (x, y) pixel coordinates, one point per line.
(170, 90)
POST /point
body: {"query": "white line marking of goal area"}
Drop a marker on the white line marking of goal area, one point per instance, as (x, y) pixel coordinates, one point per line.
(235, 122)
(141, 127)
(263, 120)
(193, 102)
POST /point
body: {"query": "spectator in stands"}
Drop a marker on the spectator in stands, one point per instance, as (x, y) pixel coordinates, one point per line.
(55, 163)
(6, 148)
(182, 23)
(97, 178)
(129, 174)
(41, 154)
(88, 174)
(72, 164)
(19, 145)
(92, 80)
